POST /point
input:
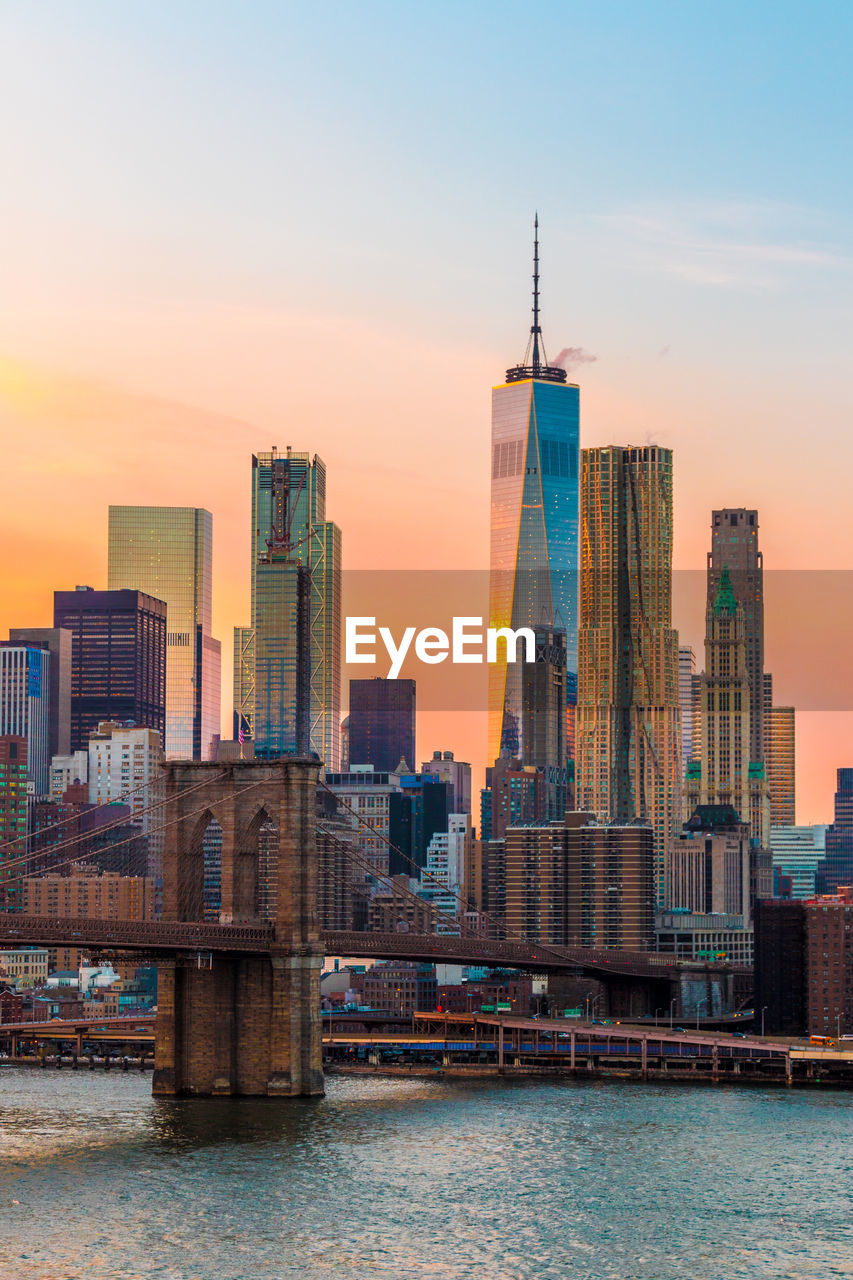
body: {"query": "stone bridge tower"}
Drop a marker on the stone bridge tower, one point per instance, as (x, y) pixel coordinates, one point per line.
(236, 1023)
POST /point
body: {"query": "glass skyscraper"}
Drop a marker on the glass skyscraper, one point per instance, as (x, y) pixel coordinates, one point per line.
(288, 681)
(167, 552)
(534, 532)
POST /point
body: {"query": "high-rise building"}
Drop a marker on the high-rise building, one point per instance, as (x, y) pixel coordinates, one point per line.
(798, 853)
(420, 808)
(514, 796)
(628, 719)
(726, 773)
(382, 723)
(804, 966)
(610, 884)
(289, 528)
(686, 686)
(25, 707)
(837, 867)
(58, 644)
(367, 794)
(534, 530)
(167, 553)
(577, 883)
(708, 865)
(13, 814)
(123, 766)
(118, 659)
(779, 757)
(734, 547)
(457, 773)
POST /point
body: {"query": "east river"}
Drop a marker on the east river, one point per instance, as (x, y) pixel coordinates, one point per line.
(423, 1178)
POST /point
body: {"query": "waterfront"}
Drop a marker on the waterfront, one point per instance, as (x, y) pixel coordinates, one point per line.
(423, 1178)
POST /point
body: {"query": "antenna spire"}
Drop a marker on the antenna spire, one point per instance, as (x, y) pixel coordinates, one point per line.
(535, 328)
(538, 366)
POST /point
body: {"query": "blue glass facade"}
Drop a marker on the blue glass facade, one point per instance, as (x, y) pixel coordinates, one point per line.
(534, 537)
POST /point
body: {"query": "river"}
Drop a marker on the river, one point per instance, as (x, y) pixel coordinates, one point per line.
(424, 1178)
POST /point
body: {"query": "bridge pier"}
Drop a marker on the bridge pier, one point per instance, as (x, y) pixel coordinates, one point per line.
(242, 1024)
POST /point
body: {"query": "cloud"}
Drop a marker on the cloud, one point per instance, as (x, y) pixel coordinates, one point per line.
(726, 244)
(572, 357)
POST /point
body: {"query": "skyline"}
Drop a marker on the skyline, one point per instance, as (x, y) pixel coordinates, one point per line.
(170, 285)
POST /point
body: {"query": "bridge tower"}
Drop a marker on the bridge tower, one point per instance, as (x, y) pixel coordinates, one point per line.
(242, 1024)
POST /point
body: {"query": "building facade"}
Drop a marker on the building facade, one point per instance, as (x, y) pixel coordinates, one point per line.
(58, 644)
(734, 547)
(797, 853)
(167, 553)
(726, 773)
(289, 524)
(534, 528)
(25, 708)
(382, 723)
(837, 867)
(629, 763)
(13, 817)
(118, 659)
(457, 773)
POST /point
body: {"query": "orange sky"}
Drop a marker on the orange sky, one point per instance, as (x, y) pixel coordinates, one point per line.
(407, 458)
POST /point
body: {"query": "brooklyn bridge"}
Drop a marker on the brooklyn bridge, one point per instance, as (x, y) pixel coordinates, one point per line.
(238, 1007)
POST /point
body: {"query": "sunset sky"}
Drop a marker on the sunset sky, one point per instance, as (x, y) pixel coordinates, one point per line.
(224, 229)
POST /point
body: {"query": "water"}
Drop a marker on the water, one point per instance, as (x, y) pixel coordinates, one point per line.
(423, 1178)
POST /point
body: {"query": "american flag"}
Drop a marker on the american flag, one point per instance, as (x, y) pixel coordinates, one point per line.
(240, 736)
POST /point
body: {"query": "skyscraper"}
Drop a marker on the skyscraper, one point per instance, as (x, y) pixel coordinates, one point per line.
(686, 674)
(25, 707)
(118, 659)
(628, 722)
(534, 528)
(780, 757)
(289, 527)
(58, 643)
(13, 815)
(167, 552)
(734, 546)
(725, 772)
(382, 723)
(837, 867)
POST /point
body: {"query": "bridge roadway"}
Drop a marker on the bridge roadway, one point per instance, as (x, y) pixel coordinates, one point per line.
(167, 938)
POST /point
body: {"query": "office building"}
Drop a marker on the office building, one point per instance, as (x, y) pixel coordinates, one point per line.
(367, 794)
(695, 935)
(58, 644)
(734, 548)
(289, 527)
(118, 659)
(837, 867)
(457, 773)
(708, 865)
(419, 808)
(628, 716)
(725, 773)
(13, 816)
(686, 689)
(400, 988)
(25, 707)
(797, 854)
(382, 723)
(444, 876)
(779, 729)
(167, 553)
(534, 529)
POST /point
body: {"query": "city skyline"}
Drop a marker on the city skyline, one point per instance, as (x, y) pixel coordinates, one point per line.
(699, 296)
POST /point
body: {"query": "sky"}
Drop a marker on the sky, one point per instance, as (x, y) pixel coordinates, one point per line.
(230, 226)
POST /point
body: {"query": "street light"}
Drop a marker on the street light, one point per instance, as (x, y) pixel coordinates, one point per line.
(673, 1002)
(698, 1007)
(657, 1011)
(763, 1011)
